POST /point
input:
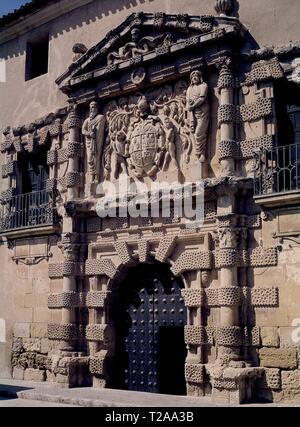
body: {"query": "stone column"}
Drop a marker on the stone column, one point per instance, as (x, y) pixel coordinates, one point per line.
(73, 175)
(228, 332)
(226, 117)
(68, 319)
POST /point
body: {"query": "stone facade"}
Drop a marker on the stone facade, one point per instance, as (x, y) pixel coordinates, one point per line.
(161, 97)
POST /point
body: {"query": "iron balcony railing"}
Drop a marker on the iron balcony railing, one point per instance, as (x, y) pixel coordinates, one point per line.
(30, 210)
(277, 170)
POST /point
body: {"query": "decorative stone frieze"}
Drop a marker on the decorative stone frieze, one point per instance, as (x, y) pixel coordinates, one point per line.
(96, 299)
(51, 184)
(247, 147)
(97, 365)
(94, 225)
(225, 258)
(69, 268)
(227, 149)
(264, 297)
(8, 169)
(55, 129)
(195, 373)
(210, 335)
(229, 296)
(123, 252)
(228, 220)
(227, 113)
(226, 79)
(264, 257)
(143, 249)
(192, 260)
(52, 157)
(262, 71)
(97, 267)
(73, 119)
(66, 332)
(271, 379)
(96, 332)
(251, 336)
(193, 297)
(229, 336)
(73, 179)
(210, 210)
(55, 270)
(211, 295)
(74, 149)
(194, 335)
(165, 248)
(64, 300)
(6, 195)
(256, 110)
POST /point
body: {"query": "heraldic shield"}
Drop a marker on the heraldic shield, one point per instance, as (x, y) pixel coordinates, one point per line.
(144, 146)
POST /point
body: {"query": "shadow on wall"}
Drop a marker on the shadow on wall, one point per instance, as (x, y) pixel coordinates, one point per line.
(93, 12)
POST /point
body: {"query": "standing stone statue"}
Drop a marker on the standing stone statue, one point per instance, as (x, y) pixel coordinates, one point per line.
(198, 107)
(93, 130)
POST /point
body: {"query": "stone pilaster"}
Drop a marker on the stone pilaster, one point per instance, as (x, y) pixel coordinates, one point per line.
(228, 335)
(226, 118)
(70, 249)
(73, 176)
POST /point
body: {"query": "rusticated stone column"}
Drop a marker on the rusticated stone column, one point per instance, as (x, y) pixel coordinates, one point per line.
(226, 117)
(228, 334)
(74, 146)
(70, 248)
(99, 335)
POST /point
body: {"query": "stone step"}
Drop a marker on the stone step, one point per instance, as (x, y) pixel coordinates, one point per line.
(90, 397)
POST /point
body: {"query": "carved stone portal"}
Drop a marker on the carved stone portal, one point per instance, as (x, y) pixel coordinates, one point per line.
(148, 133)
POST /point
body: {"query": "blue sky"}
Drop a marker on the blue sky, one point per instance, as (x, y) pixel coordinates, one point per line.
(7, 6)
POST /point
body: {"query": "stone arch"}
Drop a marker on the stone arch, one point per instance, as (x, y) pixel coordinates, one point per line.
(196, 336)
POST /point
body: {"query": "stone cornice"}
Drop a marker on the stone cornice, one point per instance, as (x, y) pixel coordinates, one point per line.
(38, 18)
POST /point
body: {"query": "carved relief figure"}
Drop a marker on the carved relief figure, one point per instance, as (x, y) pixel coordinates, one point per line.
(120, 151)
(170, 140)
(137, 46)
(93, 130)
(198, 107)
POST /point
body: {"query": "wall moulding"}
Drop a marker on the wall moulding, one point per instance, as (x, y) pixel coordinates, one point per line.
(25, 252)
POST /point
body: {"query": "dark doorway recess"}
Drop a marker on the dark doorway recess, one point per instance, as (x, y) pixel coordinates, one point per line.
(149, 315)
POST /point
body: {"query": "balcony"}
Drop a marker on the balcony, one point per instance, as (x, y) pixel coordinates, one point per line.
(277, 175)
(30, 211)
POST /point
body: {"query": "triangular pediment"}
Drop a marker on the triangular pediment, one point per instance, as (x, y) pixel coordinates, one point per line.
(143, 37)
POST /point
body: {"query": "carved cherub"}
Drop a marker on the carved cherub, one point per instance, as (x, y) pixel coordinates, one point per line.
(170, 143)
(120, 151)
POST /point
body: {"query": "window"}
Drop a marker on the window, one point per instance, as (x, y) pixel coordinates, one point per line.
(37, 58)
(287, 98)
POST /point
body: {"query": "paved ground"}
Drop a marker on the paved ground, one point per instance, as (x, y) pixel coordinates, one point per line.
(22, 403)
(21, 393)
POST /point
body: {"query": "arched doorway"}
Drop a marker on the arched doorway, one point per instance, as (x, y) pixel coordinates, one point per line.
(149, 315)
